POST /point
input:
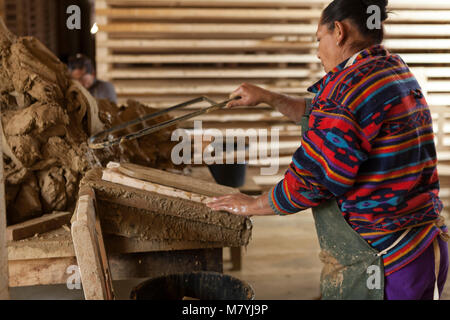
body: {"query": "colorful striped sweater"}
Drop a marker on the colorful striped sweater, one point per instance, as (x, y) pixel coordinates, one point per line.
(369, 145)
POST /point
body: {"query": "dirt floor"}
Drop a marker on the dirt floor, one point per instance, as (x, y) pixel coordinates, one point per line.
(280, 263)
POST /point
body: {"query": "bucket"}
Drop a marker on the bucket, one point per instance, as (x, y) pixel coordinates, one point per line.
(194, 285)
(230, 175)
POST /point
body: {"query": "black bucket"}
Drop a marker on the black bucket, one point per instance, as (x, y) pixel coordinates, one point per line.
(230, 175)
(194, 285)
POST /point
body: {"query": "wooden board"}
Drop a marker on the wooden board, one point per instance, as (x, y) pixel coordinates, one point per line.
(89, 249)
(394, 4)
(115, 176)
(39, 225)
(174, 180)
(34, 272)
(4, 291)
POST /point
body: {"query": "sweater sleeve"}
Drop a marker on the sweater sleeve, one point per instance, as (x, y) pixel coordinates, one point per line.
(326, 164)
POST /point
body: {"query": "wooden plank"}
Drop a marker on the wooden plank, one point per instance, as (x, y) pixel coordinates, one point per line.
(4, 281)
(114, 176)
(214, 3)
(103, 67)
(222, 58)
(419, 44)
(427, 58)
(439, 99)
(173, 180)
(59, 244)
(189, 45)
(393, 4)
(256, 14)
(202, 87)
(197, 73)
(210, 14)
(36, 272)
(415, 16)
(102, 250)
(210, 29)
(433, 72)
(42, 224)
(87, 244)
(139, 203)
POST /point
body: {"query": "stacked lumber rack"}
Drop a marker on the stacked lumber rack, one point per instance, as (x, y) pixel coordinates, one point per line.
(165, 52)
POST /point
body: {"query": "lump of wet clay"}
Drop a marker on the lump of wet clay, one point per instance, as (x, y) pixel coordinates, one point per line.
(53, 189)
(26, 149)
(47, 119)
(27, 204)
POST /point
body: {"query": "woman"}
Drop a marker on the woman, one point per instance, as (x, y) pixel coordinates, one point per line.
(366, 166)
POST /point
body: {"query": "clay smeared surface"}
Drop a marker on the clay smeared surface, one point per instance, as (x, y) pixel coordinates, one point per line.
(134, 213)
(332, 272)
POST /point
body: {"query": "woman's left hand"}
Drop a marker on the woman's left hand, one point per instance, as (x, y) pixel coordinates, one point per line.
(242, 205)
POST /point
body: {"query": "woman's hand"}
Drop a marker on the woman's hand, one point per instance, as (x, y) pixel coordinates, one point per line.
(250, 94)
(242, 205)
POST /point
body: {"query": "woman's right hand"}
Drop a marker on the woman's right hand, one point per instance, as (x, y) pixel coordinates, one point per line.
(250, 94)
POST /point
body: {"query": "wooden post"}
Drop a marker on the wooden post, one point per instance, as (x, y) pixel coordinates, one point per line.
(4, 275)
(90, 249)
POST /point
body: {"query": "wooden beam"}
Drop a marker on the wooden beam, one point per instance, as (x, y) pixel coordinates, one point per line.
(39, 225)
(114, 176)
(189, 45)
(34, 272)
(160, 206)
(202, 87)
(241, 30)
(4, 281)
(209, 28)
(59, 244)
(173, 180)
(199, 73)
(209, 14)
(418, 44)
(214, 58)
(215, 3)
(89, 249)
(255, 14)
(37, 272)
(393, 4)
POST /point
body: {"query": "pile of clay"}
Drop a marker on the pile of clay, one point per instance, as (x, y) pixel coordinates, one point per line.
(47, 119)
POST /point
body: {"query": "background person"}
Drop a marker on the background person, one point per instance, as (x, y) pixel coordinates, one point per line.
(82, 70)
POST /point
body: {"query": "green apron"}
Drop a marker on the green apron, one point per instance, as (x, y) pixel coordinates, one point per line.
(353, 269)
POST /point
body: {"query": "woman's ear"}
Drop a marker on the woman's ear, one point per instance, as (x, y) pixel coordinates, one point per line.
(340, 33)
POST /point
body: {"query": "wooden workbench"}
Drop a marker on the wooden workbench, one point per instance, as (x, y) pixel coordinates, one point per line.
(45, 259)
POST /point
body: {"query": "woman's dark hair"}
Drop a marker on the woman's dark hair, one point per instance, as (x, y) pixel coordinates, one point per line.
(356, 11)
(80, 61)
